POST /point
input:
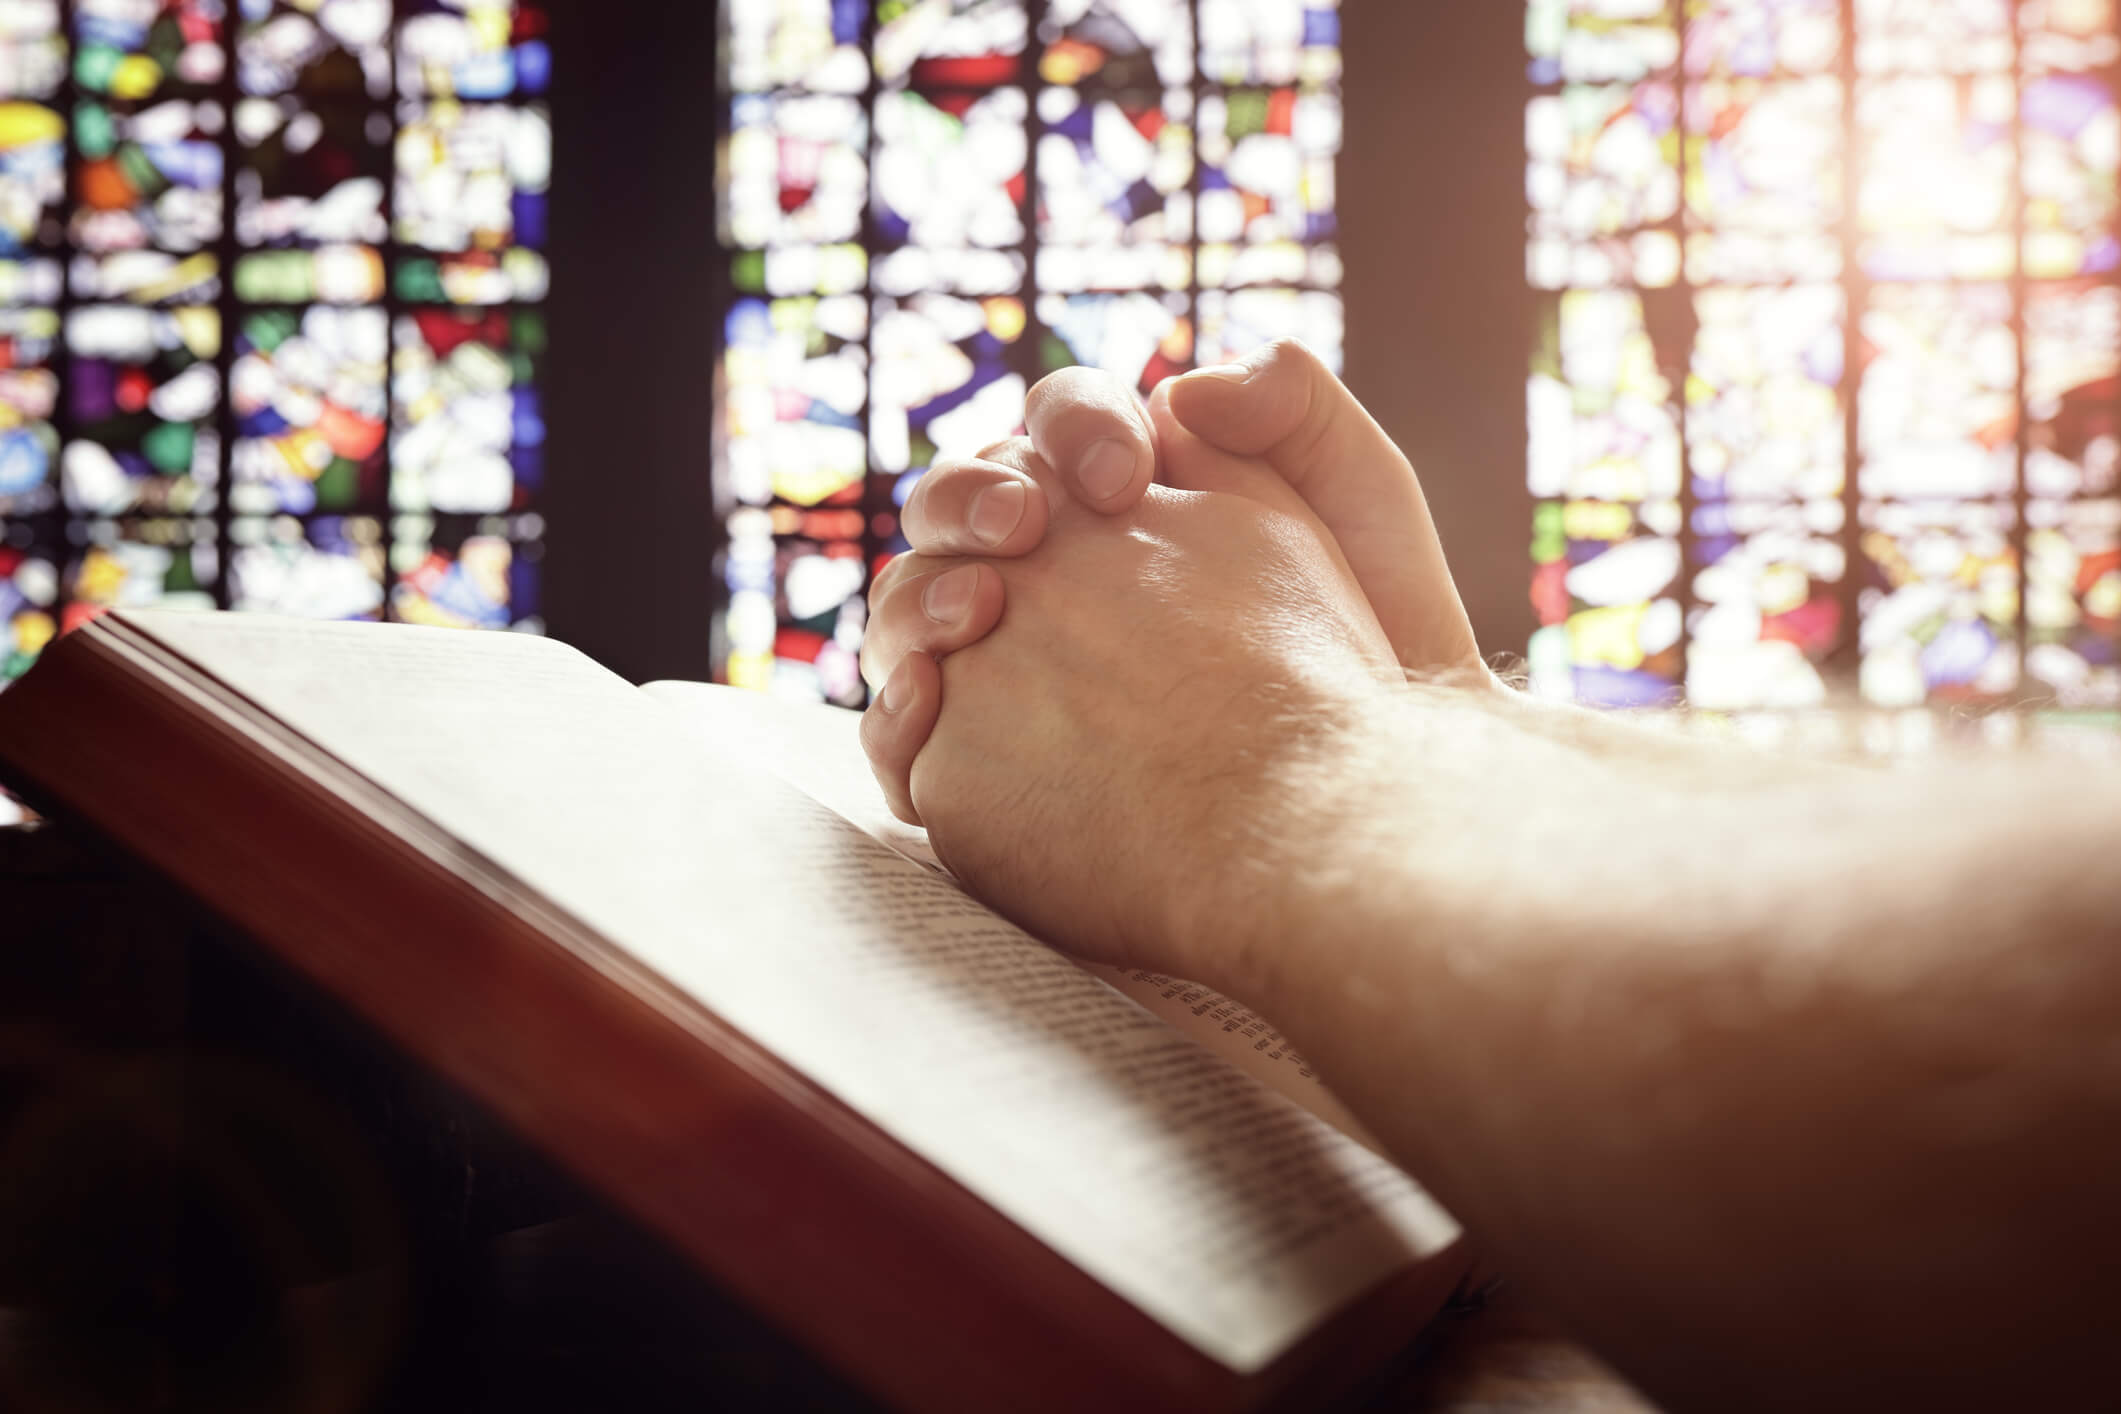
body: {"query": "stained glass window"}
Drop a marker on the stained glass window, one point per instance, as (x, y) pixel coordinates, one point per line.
(926, 205)
(271, 285)
(1824, 389)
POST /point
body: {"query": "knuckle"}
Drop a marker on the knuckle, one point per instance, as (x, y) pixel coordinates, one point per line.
(891, 612)
(872, 734)
(1290, 349)
(896, 569)
(1000, 451)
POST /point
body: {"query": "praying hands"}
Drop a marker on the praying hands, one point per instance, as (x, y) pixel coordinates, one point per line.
(1788, 1083)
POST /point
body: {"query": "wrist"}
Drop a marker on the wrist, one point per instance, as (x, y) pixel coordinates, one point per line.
(1321, 837)
(1421, 811)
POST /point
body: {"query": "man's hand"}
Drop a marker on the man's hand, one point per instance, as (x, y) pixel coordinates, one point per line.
(1162, 685)
(1281, 406)
(1089, 443)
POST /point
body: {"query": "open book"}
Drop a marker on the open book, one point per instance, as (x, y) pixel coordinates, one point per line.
(674, 935)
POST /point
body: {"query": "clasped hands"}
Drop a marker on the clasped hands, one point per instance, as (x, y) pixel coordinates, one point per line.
(1123, 646)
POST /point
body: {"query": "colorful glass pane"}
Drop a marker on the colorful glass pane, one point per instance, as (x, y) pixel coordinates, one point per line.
(1936, 164)
(1610, 636)
(1937, 402)
(749, 624)
(29, 597)
(1234, 323)
(473, 49)
(32, 50)
(804, 44)
(142, 396)
(133, 50)
(821, 270)
(32, 176)
(1940, 603)
(1933, 36)
(148, 176)
(2061, 36)
(311, 410)
(29, 282)
(1270, 41)
(1764, 417)
(139, 564)
(325, 567)
(949, 169)
(1764, 157)
(1973, 375)
(951, 43)
(2072, 365)
(468, 423)
(1762, 38)
(122, 124)
(910, 270)
(942, 384)
(473, 177)
(1114, 209)
(1602, 161)
(1647, 260)
(467, 572)
(1117, 45)
(311, 180)
(472, 195)
(1141, 337)
(819, 611)
(795, 383)
(2073, 600)
(1599, 41)
(1266, 179)
(333, 50)
(1766, 581)
(2071, 135)
(151, 278)
(796, 170)
(1603, 409)
(1733, 257)
(29, 396)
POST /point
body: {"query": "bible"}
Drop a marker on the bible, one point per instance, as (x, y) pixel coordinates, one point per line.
(673, 936)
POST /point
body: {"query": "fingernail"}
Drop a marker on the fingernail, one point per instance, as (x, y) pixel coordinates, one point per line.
(1225, 372)
(893, 696)
(1105, 470)
(948, 596)
(996, 511)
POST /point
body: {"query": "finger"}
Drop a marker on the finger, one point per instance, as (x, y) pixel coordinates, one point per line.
(1283, 405)
(1187, 462)
(896, 727)
(898, 567)
(1088, 425)
(951, 606)
(1018, 455)
(975, 507)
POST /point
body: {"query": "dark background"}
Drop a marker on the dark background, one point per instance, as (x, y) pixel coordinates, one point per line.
(1432, 222)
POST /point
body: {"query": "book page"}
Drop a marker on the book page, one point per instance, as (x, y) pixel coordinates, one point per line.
(818, 750)
(1222, 1211)
(815, 748)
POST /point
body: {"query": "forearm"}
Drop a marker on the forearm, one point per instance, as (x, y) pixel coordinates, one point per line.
(1765, 1086)
(1669, 741)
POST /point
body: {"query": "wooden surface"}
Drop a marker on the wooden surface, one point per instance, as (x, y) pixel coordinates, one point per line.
(469, 1275)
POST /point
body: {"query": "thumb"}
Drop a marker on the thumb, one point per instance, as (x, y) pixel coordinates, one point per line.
(1285, 407)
